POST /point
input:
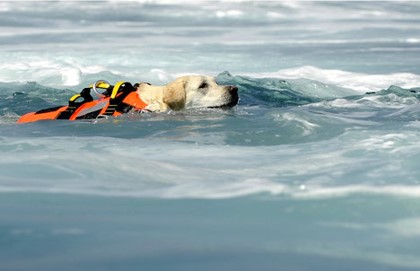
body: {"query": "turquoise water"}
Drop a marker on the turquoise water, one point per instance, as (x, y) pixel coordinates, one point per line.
(96, 233)
(315, 169)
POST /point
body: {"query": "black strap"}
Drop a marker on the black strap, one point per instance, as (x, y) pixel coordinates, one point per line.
(73, 105)
(117, 104)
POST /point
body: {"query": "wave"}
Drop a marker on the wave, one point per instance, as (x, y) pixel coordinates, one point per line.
(292, 87)
(152, 168)
(70, 72)
(260, 11)
(359, 82)
(168, 160)
(246, 188)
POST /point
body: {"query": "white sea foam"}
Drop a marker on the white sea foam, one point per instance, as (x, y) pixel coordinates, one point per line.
(229, 13)
(50, 72)
(413, 40)
(306, 126)
(250, 187)
(152, 168)
(71, 72)
(356, 81)
(344, 191)
(141, 168)
(407, 105)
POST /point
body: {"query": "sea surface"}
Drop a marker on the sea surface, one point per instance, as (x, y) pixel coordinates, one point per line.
(317, 168)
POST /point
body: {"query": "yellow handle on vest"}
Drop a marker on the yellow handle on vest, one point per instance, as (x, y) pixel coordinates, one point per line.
(116, 88)
(100, 85)
(75, 97)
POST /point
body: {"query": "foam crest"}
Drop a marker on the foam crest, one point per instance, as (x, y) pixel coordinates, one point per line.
(359, 82)
(246, 188)
(153, 168)
(44, 71)
(345, 191)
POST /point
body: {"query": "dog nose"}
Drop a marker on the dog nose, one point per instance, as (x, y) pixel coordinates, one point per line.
(233, 89)
(234, 97)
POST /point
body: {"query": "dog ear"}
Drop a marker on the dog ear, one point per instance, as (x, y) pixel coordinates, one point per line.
(175, 94)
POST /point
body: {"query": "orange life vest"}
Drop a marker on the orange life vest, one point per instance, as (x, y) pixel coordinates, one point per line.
(115, 101)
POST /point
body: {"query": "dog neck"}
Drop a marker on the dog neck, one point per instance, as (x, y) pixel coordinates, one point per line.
(153, 96)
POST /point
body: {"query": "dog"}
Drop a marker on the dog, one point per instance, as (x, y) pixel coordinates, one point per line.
(188, 92)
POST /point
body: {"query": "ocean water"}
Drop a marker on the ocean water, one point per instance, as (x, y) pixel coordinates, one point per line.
(315, 169)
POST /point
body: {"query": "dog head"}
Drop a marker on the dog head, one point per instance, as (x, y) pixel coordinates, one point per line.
(197, 91)
(187, 92)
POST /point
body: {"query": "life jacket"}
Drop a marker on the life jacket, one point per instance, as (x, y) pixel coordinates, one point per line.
(114, 101)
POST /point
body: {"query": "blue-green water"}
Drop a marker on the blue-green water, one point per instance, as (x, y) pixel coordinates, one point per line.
(315, 169)
(97, 233)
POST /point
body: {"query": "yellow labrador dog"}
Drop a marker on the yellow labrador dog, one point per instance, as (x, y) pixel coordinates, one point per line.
(184, 93)
(194, 91)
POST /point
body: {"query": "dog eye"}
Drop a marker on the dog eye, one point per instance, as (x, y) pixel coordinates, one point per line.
(203, 85)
